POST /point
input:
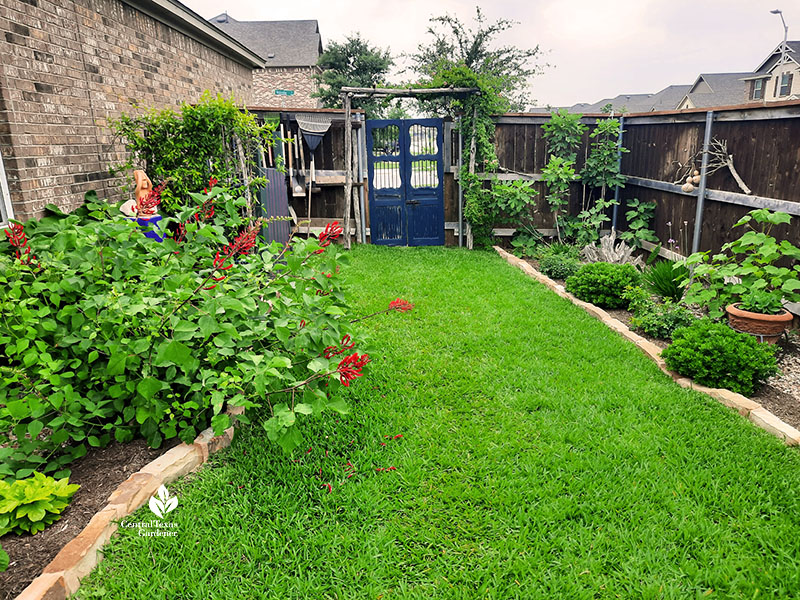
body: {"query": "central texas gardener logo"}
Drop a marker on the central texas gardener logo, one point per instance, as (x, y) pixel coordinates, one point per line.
(161, 503)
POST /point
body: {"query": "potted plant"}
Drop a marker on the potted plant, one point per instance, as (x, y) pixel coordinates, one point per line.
(744, 280)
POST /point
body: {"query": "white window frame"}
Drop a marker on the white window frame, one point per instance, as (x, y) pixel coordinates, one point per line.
(781, 85)
(6, 210)
(758, 89)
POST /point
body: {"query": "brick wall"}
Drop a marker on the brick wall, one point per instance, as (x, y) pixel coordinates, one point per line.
(298, 79)
(67, 66)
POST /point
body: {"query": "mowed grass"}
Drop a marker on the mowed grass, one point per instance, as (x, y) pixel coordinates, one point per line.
(542, 457)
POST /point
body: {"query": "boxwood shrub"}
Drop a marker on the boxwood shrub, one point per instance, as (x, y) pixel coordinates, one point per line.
(603, 284)
(715, 355)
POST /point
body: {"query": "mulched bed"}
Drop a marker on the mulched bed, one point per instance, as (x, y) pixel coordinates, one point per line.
(780, 395)
(98, 473)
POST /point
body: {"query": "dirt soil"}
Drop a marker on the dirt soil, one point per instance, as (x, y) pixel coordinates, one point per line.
(780, 395)
(98, 473)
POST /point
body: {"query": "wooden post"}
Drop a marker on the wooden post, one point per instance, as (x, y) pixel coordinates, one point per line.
(472, 151)
(356, 203)
(348, 167)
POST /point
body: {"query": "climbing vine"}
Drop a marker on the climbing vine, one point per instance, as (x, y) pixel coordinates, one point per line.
(212, 138)
(476, 110)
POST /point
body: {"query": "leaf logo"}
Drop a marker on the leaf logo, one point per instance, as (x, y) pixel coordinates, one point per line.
(161, 503)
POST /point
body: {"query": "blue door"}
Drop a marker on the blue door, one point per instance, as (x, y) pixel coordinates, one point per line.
(406, 187)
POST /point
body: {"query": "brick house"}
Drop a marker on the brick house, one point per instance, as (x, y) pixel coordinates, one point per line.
(291, 50)
(69, 65)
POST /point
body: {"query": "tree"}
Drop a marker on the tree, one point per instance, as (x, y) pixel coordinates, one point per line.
(455, 44)
(352, 63)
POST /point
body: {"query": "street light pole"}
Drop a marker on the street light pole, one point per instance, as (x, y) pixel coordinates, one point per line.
(784, 46)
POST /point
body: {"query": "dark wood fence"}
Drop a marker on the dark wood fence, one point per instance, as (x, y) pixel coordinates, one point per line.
(764, 142)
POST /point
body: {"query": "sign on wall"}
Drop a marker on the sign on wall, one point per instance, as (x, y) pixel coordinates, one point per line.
(284, 92)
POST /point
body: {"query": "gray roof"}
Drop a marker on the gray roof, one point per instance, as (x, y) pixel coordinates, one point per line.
(280, 43)
(666, 99)
(769, 62)
(727, 89)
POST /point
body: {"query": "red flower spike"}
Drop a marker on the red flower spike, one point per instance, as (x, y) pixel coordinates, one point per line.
(19, 241)
(350, 367)
(329, 352)
(347, 343)
(400, 305)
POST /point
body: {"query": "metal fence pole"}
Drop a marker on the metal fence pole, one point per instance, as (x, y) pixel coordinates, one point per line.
(615, 213)
(460, 187)
(701, 191)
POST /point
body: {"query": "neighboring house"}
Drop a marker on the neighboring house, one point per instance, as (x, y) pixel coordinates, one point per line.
(776, 78)
(291, 50)
(68, 67)
(716, 89)
(666, 99)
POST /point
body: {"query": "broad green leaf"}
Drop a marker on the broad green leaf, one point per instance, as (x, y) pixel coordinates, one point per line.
(148, 387)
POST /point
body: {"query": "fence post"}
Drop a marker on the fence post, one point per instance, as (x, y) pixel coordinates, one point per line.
(701, 191)
(615, 213)
(348, 173)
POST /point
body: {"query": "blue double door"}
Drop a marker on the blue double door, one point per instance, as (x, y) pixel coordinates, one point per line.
(406, 182)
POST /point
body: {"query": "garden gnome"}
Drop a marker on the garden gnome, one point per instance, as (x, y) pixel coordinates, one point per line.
(142, 190)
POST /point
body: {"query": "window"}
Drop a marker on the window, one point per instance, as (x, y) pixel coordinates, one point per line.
(6, 212)
(757, 90)
(786, 84)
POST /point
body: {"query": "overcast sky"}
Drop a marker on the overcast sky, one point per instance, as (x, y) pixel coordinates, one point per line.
(595, 49)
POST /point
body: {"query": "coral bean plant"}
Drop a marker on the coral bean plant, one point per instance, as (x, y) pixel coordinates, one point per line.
(109, 334)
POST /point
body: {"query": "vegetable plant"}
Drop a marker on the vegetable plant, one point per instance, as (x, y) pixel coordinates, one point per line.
(715, 355)
(746, 270)
(639, 216)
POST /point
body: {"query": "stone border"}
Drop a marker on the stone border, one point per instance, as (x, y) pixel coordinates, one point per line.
(756, 413)
(61, 578)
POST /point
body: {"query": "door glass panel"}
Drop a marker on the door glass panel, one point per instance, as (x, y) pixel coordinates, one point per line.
(386, 141)
(422, 140)
(386, 175)
(424, 174)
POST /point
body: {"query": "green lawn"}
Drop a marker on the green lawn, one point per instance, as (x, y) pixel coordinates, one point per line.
(542, 457)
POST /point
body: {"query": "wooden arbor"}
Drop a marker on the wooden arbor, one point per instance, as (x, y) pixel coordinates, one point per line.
(347, 94)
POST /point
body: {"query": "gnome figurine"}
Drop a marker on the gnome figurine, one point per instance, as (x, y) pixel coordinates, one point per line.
(143, 189)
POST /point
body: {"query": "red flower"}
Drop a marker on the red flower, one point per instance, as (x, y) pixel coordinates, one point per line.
(302, 323)
(350, 367)
(212, 181)
(400, 305)
(330, 352)
(17, 238)
(331, 233)
(146, 206)
(242, 244)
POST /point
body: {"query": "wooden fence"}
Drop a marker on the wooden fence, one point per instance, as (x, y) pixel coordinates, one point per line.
(764, 142)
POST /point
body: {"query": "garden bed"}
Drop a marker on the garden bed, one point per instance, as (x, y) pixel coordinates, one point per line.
(780, 394)
(98, 473)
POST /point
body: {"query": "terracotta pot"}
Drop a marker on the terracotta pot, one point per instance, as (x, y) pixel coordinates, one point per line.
(768, 328)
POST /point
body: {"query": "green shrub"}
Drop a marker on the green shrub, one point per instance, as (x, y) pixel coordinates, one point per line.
(108, 333)
(662, 320)
(603, 284)
(558, 266)
(715, 355)
(664, 278)
(559, 249)
(30, 505)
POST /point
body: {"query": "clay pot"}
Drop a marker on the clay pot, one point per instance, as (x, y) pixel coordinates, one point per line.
(767, 328)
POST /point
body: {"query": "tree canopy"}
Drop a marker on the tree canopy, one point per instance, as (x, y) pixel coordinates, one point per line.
(353, 63)
(454, 44)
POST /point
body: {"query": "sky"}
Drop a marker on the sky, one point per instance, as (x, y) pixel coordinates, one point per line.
(593, 49)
